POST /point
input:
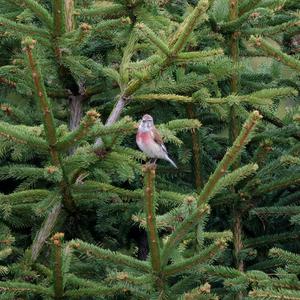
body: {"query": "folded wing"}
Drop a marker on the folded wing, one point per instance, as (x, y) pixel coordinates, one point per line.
(158, 139)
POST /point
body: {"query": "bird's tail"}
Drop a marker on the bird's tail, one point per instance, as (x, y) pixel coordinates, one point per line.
(171, 162)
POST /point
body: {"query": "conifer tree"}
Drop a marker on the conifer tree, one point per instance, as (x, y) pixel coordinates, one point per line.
(236, 23)
(78, 76)
(153, 276)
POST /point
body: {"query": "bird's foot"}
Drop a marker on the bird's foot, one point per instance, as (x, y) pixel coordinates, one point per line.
(151, 164)
(152, 161)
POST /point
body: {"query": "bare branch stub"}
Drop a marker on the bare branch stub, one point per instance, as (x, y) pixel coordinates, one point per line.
(113, 117)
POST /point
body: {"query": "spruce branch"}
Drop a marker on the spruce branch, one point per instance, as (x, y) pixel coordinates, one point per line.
(223, 235)
(277, 134)
(16, 134)
(57, 240)
(93, 291)
(236, 23)
(196, 146)
(276, 184)
(200, 293)
(285, 256)
(233, 178)
(37, 9)
(29, 196)
(288, 283)
(198, 55)
(170, 198)
(109, 256)
(93, 186)
(5, 252)
(102, 26)
(59, 28)
(74, 65)
(270, 31)
(50, 132)
(143, 72)
(184, 31)
(210, 186)
(58, 18)
(48, 120)
(276, 211)
(163, 97)
(113, 118)
(77, 37)
(276, 53)
(290, 199)
(282, 161)
(182, 125)
(274, 92)
(160, 44)
(181, 38)
(204, 256)
(3, 270)
(25, 29)
(8, 82)
(80, 282)
(21, 287)
(264, 148)
(262, 97)
(270, 239)
(234, 121)
(165, 221)
(181, 231)
(230, 156)
(129, 278)
(77, 135)
(238, 242)
(123, 126)
(247, 5)
(221, 271)
(271, 118)
(104, 11)
(150, 205)
(281, 294)
(14, 113)
(44, 103)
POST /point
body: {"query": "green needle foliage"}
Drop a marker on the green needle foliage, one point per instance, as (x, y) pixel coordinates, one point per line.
(75, 78)
(158, 271)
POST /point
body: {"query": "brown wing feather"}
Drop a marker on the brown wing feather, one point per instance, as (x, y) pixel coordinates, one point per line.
(158, 139)
(156, 136)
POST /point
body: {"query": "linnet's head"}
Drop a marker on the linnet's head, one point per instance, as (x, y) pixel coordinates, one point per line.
(147, 122)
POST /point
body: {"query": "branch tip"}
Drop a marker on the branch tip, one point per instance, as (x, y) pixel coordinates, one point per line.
(57, 238)
(29, 43)
(126, 20)
(85, 27)
(93, 114)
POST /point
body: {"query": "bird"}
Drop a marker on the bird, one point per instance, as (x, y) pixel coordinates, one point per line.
(150, 141)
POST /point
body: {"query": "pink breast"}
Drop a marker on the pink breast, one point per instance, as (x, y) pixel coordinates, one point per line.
(143, 137)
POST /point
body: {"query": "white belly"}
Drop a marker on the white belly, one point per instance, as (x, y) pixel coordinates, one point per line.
(151, 149)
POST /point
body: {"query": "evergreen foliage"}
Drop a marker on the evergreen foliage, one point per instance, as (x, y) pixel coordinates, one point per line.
(77, 221)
